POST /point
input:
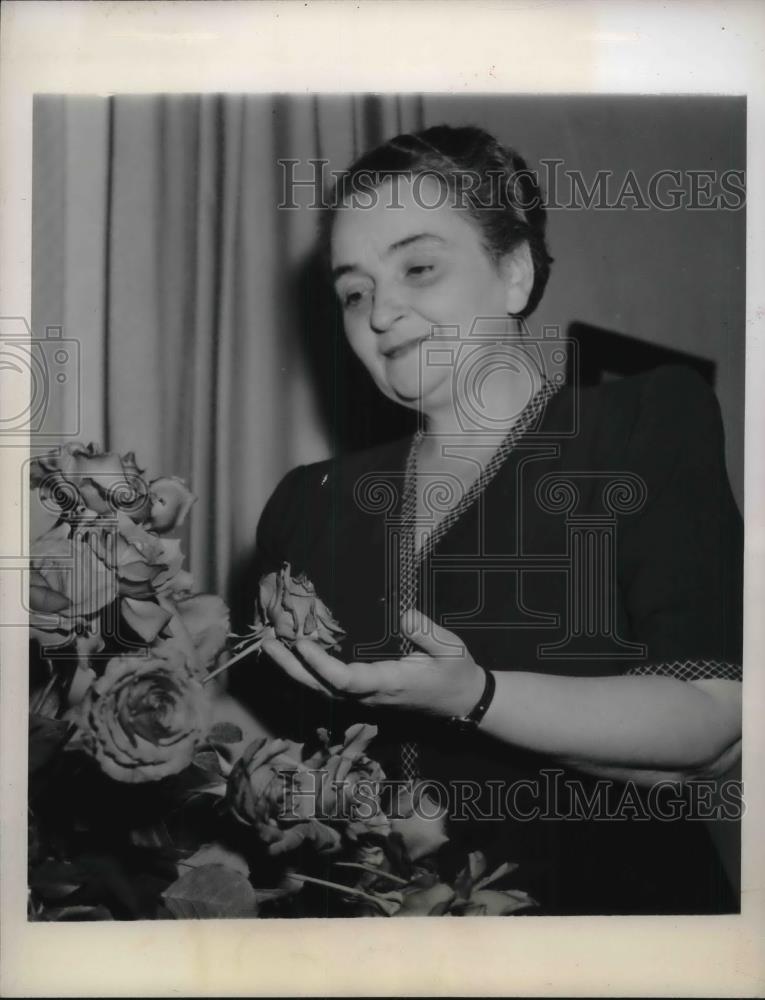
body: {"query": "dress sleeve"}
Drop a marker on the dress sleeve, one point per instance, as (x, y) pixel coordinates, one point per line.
(681, 557)
(277, 523)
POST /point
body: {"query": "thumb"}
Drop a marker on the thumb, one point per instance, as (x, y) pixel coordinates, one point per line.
(430, 638)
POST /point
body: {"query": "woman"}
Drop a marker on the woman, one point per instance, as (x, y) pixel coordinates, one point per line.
(565, 563)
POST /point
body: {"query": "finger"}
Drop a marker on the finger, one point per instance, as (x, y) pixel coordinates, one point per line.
(431, 638)
(291, 666)
(357, 679)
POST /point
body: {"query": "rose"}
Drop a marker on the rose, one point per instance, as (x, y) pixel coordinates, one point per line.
(68, 584)
(343, 783)
(258, 795)
(271, 787)
(144, 718)
(77, 571)
(289, 609)
(256, 792)
(145, 563)
(107, 523)
(146, 567)
(82, 481)
(78, 480)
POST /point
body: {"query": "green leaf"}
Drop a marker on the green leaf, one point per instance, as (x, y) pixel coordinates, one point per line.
(70, 913)
(105, 876)
(208, 760)
(225, 732)
(211, 891)
(491, 903)
(506, 868)
(217, 854)
(55, 879)
(46, 738)
(156, 837)
(432, 902)
(197, 780)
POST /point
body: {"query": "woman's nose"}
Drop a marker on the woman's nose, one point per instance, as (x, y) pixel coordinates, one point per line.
(387, 307)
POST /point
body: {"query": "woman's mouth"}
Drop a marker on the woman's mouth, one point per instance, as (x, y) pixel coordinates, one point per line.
(403, 349)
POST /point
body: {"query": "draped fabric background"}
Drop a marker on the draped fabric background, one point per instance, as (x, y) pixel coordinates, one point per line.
(159, 245)
(209, 341)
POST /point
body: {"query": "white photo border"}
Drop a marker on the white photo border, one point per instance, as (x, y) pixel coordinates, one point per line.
(538, 47)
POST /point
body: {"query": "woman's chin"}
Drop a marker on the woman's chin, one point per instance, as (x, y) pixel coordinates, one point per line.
(411, 388)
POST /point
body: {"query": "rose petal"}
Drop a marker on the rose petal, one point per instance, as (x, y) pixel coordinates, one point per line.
(207, 620)
(43, 515)
(421, 835)
(146, 618)
(323, 838)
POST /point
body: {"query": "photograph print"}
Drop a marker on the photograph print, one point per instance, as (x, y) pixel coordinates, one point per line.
(386, 492)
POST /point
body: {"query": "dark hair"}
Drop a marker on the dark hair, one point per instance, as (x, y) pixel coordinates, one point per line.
(491, 181)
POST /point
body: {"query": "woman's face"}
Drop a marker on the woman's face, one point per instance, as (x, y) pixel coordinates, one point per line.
(402, 273)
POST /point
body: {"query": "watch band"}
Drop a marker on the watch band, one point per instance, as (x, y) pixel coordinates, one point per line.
(467, 723)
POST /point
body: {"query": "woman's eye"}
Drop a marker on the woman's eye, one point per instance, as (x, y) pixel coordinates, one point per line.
(353, 298)
(422, 273)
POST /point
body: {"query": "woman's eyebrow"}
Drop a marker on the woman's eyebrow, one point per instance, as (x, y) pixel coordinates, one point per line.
(407, 241)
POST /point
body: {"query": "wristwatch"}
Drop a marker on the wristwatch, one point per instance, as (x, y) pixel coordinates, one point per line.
(468, 723)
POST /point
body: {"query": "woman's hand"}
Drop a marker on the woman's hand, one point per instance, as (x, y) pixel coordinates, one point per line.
(441, 679)
(620, 726)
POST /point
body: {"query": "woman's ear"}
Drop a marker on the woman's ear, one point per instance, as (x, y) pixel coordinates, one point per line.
(518, 270)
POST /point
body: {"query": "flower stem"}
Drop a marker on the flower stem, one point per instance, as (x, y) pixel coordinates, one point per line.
(40, 700)
(372, 871)
(229, 663)
(345, 889)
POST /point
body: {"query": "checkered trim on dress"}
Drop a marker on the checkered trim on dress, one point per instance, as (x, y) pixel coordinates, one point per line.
(409, 559)
(690, 670)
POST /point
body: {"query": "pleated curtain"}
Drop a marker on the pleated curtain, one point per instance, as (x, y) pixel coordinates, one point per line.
(159, 244)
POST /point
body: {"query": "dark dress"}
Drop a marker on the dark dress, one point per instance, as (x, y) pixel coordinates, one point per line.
(608, 542)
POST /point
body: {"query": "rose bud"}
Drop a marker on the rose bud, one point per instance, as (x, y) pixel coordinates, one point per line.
(288, 608)
(144, 718)
(171, 501)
